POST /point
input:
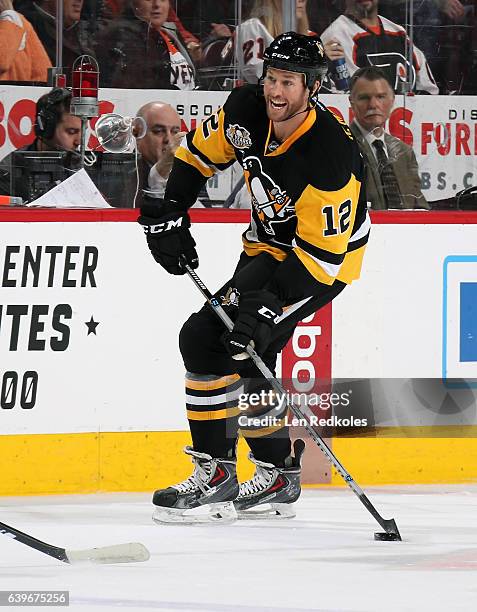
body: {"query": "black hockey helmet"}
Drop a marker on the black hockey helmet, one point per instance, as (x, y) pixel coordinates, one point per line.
(297, 53)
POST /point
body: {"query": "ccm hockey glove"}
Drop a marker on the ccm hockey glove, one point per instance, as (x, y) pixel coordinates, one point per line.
(257, 315)
(168, 236)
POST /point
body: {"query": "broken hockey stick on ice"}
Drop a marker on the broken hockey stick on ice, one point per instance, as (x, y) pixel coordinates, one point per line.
(119, 553)
(391, 531)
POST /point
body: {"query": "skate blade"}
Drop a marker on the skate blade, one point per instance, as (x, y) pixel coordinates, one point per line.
(268, 511)
(220, 513)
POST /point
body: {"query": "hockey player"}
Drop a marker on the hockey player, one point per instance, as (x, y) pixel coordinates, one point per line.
(306, 239)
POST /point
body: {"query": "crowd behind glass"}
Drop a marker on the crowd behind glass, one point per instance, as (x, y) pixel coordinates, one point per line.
(429, 47)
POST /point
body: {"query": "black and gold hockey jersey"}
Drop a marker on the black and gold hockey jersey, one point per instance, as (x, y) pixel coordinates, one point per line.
(306, 192)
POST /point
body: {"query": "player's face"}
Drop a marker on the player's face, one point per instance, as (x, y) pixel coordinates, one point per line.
(285, 93)
(67, 135)
(154, 11)
(162, 123)
(372, 102)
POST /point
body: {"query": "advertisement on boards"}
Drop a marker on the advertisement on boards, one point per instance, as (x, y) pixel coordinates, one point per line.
(442, 131)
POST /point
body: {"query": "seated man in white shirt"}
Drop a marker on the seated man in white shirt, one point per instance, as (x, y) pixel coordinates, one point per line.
(392, 177)
(159, 145)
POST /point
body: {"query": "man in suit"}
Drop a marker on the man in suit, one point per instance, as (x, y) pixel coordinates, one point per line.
(392, 179)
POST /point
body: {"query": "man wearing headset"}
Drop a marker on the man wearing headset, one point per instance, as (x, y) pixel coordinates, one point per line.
(55, 128)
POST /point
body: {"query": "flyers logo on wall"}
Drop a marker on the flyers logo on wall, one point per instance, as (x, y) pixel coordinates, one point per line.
(442, 132)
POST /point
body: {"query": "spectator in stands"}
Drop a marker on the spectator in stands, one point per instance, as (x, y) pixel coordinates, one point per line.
(370, 39)
(257, 32)
(115, 7)
(457, 49)
(442, 30)
(427, 18)
(22, 56)
(392, 179)
(56, 129)
(321, 13)
(191, 42)
(141, 50)
(76, 36)
(206, 16)
(158, 146)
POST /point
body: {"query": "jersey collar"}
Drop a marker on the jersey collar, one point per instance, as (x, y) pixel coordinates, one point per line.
(285, 145)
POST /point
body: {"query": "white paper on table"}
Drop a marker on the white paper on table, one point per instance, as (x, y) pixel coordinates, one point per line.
(78, 190)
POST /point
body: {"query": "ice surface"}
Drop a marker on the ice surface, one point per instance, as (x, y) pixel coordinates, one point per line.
(324, 559)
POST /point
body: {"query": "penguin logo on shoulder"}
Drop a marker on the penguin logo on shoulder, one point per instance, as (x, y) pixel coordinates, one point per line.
(239, 137)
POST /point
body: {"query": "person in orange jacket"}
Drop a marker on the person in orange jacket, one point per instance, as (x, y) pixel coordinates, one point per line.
(22, 56)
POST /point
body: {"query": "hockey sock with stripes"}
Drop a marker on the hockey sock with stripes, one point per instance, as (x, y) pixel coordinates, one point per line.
(213, 411)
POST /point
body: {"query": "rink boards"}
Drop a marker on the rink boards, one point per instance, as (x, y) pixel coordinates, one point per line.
(91, 381)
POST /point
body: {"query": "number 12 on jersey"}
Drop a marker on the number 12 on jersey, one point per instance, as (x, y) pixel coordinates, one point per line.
(336, 222)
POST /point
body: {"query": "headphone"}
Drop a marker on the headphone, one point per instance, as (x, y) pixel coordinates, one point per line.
(49, 111)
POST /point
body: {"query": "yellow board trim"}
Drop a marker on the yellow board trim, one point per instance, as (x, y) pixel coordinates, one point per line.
(39, 464)
(47, 464)
(421, 458)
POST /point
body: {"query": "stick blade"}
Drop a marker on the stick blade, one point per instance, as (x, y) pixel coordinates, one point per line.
(391, 534)
(132, 552)
(383, 536)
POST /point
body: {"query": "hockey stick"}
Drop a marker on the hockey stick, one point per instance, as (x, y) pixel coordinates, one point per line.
(391, 531)
(119, 553)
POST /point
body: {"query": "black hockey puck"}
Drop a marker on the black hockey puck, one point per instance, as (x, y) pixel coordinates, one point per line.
(384, 536)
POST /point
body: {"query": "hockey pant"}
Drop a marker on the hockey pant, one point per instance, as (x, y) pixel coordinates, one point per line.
(216, 384)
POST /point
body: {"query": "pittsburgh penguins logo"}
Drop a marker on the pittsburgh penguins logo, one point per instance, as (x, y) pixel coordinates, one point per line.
(239, 136)
(231, 298)
(270, 202)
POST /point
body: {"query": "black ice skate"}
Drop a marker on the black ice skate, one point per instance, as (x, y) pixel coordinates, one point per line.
(212, 487)
(273, 489)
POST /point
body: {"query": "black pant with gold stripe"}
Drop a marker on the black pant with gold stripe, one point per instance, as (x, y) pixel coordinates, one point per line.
(215, 383)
